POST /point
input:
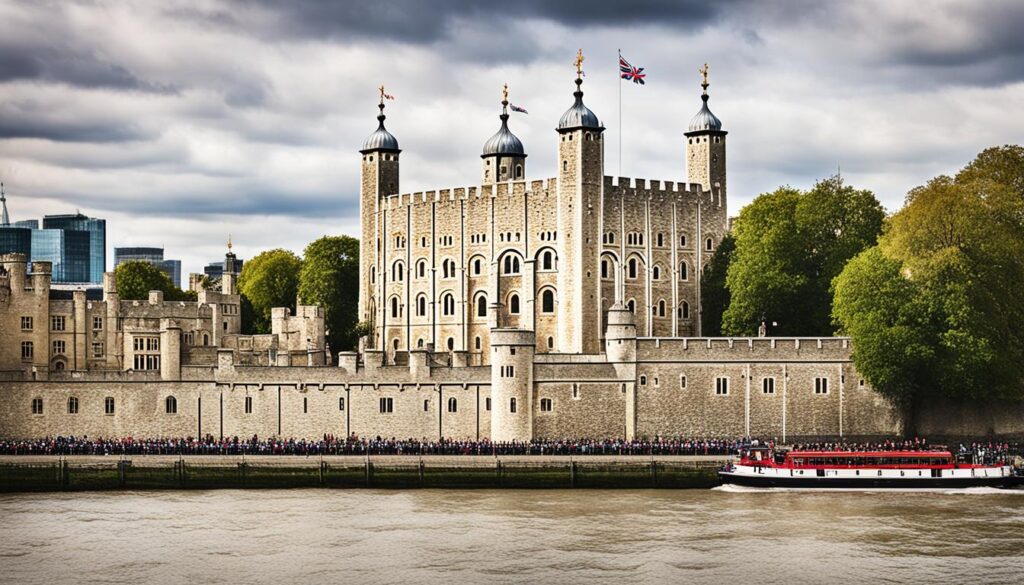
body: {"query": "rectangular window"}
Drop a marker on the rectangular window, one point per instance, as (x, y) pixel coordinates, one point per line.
(821, 385)
(682, 382)
(72, 405)
(387, 405)
(37, 406)
(768, 385)
(341, 403)
(512, 405)
(153, 344)
(722, 386)
(108, 405)
(26, 350)
(487, 404)
(545, 405)
(58, 323)
(97, 323)
(26, 323)
(248, 405)
(305, 406)
(59, 347)
(97, 350)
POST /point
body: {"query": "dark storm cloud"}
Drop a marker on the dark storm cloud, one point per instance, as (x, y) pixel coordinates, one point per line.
(28, 123)
(68, 65)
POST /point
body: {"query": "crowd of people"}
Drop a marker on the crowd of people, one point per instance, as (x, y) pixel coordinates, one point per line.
(353, 445)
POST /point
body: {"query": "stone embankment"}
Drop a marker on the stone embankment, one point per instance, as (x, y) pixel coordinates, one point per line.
(77, 473)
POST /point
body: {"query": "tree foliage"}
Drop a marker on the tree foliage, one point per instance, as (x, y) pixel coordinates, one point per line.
(935, 309)
(790, 245)
(136, 278)
(330, 278)
(269, 280)
(714, 295)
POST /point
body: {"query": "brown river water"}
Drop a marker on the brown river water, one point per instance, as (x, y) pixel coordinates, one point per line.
(491, 536)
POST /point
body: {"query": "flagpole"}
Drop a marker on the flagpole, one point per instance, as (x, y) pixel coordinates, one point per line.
(620, 112)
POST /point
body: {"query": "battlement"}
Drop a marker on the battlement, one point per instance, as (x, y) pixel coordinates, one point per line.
(655, 189)
(720, 349)
(475, 192)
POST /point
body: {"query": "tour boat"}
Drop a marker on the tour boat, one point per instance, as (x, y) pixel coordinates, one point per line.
(760, 467)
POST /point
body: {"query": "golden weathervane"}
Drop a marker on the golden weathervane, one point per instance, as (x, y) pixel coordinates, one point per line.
(704, 75)
(579, 63)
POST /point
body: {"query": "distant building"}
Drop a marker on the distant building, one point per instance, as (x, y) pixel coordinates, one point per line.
(154, 256)
(97, 242)
(14, 238)
(216, 269)
(69, 251)
(32, 224)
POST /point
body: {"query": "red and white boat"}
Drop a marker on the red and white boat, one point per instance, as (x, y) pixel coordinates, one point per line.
(760, 467)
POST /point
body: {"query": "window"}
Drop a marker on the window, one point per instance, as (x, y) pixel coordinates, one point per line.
(394, 307)
(448, 268)
(821, 385)
(387, 405)
(684, 271)
(709, 244)
(206, 339)
(519, 171)
(682, 382)
(97, 350)
(426, 406)
(58, 323)
(37, 406)
(341, 403)
(59, 366)
(448, 304)
(248, 405)
(477, 343)
(547, 301)
(26, 350)
(631, 305)
(171, 405)
(661, 308)
(508, 371)
(373, 275)
(511, 265)
(768, 385)
(512, 405)
(643, 380)
(861, 383)
(108, 405)
(545, 405)
(421, 305)
(661, 240)
(656, 272)
(575, 391)
(398, 272)
(632, 268)
(421, 269)
(547, 260)
(26, 323)
(72, 405)
(481, 306)
(478, 267)
(97, 323)
(513, 304)
(147, 353)
(451, 343)
(604, 269)
(453, 405)
(487, 403)
(551, 342)
(722, 386)
(59, 347)
(682, 241)
(684, 310)
(305, 405)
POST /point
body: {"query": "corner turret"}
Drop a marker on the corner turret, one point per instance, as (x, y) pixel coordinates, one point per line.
(503, 154)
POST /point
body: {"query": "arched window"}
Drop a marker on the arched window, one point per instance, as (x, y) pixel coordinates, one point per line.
(448, 304)
(661, 308)
(206, 339)
(519, 171)
(551, 342)
(709, 244)
(682, 241)
(656, 272)
(72, 405)
(419, 342)
(478, 267)
(373, 275)
(684, 310)
(611, 237)
(632, 268)
(421, 269)
(59, 365)
(394, 307)
(421, 305)
(661, 240)
(451, 343)
(481, 306)
(513, 304)
(448, 268)
(394, 343)
(398, 272)
(171, 405)
(547, 260)
(453, 404)
(631, 305)
(511, 264)
(547, 301)
(684, 271)
(478, 343)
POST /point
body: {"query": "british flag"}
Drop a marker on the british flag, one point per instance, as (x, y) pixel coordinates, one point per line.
(630, 73)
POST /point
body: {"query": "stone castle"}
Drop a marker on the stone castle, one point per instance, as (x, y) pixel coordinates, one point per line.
(509, 310)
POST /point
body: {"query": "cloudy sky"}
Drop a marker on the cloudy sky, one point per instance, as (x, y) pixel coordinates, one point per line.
(183, 121)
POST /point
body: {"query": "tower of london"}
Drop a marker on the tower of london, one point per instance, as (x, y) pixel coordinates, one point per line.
(507, 310)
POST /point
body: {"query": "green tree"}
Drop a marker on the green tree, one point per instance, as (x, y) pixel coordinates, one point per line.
(269, 280)
(330, 279)
(790, 245)
(714, 295)
(136, 278)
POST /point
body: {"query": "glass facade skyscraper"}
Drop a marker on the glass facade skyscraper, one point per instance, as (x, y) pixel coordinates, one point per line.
(68, 250)
(154, 256)
(96, 229)
(15, 240)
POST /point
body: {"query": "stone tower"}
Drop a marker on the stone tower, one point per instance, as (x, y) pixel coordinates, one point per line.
(503, 156)
(512, 352)
(580, 208)
(705, 148)
(379, 179)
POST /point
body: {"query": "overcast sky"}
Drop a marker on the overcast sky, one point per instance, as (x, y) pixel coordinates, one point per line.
(183, 121)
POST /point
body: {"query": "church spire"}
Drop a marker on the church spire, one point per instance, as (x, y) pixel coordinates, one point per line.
(5, 219)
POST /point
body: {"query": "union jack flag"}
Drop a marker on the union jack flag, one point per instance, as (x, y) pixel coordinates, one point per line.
(516, 108)
(630, 73)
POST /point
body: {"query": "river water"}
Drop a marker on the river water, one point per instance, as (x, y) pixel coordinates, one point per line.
(492, 536)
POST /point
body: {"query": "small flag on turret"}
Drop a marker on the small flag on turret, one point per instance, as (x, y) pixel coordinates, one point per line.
(388, 96)
(630, 73)
(516, 108)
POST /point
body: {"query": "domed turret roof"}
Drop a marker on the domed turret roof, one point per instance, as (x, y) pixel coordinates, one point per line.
(579, 115)
(705, 120)
(504, 141)
(381, 139)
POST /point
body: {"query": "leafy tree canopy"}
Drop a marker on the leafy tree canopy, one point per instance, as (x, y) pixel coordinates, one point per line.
(136, 278)
(271, 279)
(330, 278)
(714, 295)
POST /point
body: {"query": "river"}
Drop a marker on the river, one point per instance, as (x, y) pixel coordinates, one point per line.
(491, 536)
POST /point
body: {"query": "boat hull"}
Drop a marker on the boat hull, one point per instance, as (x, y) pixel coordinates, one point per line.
(867, 482)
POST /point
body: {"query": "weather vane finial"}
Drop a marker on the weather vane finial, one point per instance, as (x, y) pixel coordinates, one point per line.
(229, 242)
(504, 93)
(704, 76)
(381, 88)
(579, 63)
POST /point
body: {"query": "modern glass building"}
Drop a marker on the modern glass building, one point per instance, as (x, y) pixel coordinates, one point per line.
(70, 252)
(97, 236)
(15, 240)
(155, 256)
